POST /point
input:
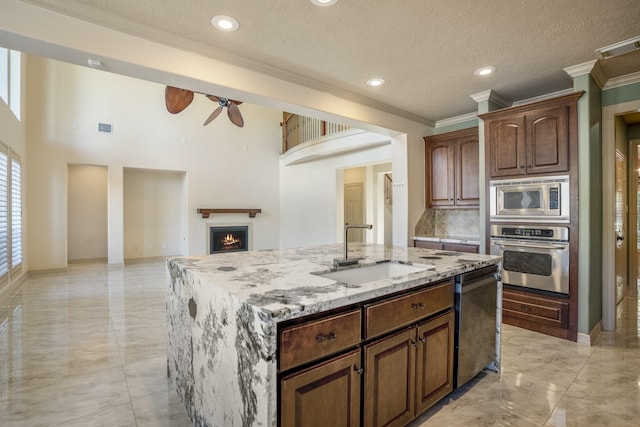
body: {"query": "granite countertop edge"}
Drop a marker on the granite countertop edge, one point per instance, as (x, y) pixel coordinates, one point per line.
(284, 284)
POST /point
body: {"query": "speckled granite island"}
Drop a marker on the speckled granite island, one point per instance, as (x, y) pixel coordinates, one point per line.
(224, 313)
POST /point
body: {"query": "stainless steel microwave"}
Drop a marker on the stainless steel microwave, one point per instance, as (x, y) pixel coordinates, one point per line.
(538, 199)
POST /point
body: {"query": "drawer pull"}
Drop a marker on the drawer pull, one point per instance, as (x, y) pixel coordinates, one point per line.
(332, 336)
(418, 306)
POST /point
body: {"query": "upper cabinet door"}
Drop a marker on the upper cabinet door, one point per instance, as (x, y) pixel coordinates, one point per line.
(506, 143)
(441, 164)
(452, 170)
(467, 172)
(532, 139)
(548, 140)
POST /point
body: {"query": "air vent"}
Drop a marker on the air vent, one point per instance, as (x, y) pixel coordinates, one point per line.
(105, 128)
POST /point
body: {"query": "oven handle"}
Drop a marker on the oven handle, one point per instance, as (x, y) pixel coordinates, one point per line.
(526, 244)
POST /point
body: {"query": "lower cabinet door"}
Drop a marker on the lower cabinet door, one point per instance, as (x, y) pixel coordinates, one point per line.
(389, 380)
(434, 364)
(326, 395)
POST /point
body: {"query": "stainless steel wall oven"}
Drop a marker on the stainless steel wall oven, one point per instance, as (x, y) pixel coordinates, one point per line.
(533, 257)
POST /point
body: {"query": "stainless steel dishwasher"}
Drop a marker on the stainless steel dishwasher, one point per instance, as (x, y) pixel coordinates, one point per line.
(475, 338)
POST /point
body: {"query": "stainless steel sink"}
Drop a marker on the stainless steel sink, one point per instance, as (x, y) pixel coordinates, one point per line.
(372, 273)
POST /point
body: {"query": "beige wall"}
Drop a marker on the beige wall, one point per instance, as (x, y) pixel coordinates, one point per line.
(154, 213)
(226, 166)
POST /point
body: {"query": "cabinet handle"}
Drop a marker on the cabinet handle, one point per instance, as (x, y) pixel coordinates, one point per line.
(414, 343)
(359, 371)
(418, 306)
(332, 336)
(423, 340)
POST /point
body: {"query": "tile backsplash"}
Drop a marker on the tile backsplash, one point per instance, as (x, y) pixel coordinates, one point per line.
(449, 222)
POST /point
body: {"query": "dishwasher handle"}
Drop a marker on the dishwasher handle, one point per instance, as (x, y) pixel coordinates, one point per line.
(479, 283)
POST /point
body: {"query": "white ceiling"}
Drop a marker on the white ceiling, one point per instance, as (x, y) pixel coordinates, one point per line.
(426, 50)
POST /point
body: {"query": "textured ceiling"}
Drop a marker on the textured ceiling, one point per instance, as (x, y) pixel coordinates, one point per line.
(426, 50)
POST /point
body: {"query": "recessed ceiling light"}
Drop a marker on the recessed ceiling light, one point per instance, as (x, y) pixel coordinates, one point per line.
(375, 82)
(225, 23)
(484, 71)
(324, 2)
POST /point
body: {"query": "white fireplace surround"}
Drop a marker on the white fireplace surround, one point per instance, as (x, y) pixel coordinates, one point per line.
(210, 225)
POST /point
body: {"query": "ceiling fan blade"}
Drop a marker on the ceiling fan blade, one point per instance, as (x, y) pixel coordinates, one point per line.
(177, 99)
(213, 98)
(234, 115)
(213, 115)
(235, 102)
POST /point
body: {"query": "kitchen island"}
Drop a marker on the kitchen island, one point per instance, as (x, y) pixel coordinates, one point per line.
(226, 344)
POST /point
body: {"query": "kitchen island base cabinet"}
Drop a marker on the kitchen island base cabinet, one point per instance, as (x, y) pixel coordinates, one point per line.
(408, 372)
(326, 395)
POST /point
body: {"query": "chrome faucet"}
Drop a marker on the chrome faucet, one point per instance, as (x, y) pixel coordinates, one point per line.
(345, 260)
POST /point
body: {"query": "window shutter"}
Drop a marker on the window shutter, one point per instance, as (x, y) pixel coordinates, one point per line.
(4, 212)
(16, 213)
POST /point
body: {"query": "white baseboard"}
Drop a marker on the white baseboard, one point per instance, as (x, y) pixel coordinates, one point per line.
(590, 339)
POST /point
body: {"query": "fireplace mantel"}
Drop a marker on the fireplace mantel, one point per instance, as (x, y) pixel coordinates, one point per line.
(206, 212)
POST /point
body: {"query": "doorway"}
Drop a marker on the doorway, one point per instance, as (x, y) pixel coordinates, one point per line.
(611, 132)
(354, 210)
(87, 224)
(620, 226)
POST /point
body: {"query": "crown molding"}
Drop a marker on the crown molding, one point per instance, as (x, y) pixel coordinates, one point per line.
(590, 67)
(622, 80)
(543, 97)
(456, 120)
(491, 95)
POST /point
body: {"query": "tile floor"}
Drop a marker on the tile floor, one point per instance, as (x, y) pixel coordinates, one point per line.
(88, 348)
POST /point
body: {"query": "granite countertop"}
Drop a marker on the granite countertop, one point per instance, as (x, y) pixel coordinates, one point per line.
(280, 283)
(469, 240)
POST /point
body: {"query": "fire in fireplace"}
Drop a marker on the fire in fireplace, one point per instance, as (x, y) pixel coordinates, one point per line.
(228, 239)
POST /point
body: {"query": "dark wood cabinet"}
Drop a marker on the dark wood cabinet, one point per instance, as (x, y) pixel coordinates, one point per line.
(407, 372)
(326, 395)
(447, 246)
(538, 139)
(452, 169)
(531, 139)
(389, 380)
(335, 372)
(427, 244)
(542, 313)
(434, 360)
(461, 247)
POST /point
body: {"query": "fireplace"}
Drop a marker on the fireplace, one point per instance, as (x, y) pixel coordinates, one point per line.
(228, 239)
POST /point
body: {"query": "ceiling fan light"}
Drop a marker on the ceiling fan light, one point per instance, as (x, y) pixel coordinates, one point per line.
(225, 23)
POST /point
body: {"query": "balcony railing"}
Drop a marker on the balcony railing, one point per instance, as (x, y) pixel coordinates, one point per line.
(298, 129)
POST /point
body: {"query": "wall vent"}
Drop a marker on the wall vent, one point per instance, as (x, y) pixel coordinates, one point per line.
(105, 128)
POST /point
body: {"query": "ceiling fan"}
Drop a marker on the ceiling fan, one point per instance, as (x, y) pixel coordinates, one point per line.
(177, 99)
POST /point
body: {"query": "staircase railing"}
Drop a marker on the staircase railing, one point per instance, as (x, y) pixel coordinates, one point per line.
(388, 190)
(298, 129)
